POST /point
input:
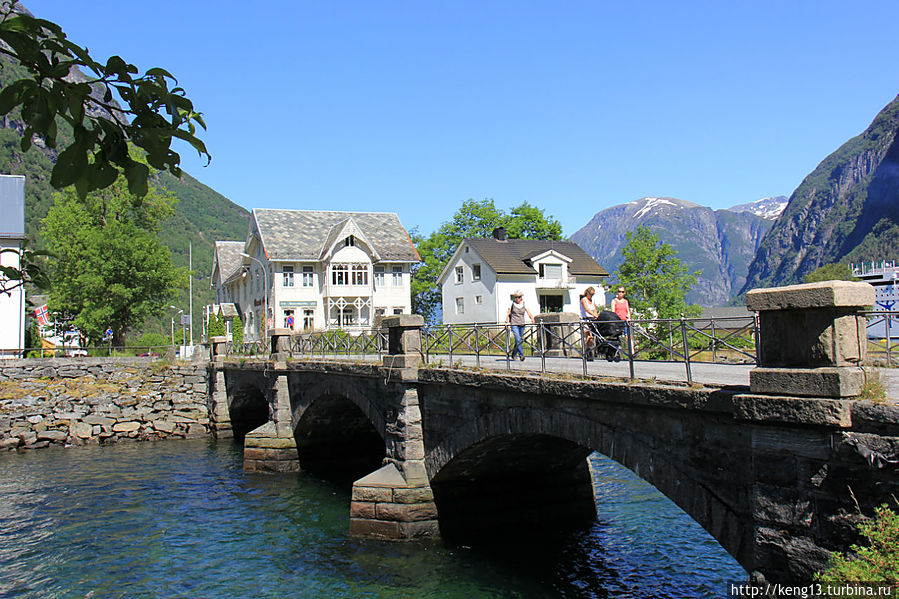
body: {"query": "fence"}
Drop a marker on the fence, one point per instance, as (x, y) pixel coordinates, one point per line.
(883, 335)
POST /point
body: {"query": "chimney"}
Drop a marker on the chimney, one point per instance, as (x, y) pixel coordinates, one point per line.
(499, 233)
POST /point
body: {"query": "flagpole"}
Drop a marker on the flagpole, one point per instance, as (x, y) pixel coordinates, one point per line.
(190, 274)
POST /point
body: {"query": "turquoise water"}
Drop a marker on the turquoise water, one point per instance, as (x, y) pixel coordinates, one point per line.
(181, 519)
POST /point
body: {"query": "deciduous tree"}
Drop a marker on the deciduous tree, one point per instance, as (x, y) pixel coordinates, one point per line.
(108, 268)
(655, 278)
(473, 219)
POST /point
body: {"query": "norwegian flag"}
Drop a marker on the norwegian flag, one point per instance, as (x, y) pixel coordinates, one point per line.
(43, 316)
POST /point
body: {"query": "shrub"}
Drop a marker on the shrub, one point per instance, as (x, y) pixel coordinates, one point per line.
(216, 327)
(879, 562)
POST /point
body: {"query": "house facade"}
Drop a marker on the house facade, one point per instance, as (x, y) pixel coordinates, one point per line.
(12, 237)
(316, 270)
(479, 280)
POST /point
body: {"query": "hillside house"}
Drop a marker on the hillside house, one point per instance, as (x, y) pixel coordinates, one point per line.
(479, 280)
(316, 270)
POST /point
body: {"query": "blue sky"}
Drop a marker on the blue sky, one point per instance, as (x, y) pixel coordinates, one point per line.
(413, 107)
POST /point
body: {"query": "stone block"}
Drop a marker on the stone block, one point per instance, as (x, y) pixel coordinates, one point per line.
(413, 495)
(405, 512)
(807, 382)
(372, 494)
(419, 530)
(10, 443)
(101, 420)
(793, 410)
(126, 427)
(164, 426)
(377, 529)
(57, 436)
(272, 443)
(826, 294)
(82, 430)
(362, 509)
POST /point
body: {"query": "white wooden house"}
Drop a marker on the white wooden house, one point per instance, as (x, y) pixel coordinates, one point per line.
(479, 280)
(316, 270)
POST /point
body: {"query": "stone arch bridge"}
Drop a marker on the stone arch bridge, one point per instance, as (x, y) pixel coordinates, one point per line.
(778, 478)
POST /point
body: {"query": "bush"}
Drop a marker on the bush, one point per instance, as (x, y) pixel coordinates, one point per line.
(216, 327)
(237, 331)
(153, 340)
(877, 563)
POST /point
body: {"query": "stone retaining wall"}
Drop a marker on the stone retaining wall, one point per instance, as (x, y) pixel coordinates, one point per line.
(69, 401)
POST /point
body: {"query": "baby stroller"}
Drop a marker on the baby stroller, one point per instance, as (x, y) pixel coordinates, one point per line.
(609, 328)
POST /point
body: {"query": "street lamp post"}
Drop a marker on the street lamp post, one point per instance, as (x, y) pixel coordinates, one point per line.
(265, 287)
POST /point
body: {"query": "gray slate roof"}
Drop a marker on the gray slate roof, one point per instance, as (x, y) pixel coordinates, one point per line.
(300, 234)
(227, 253)
(510, 256)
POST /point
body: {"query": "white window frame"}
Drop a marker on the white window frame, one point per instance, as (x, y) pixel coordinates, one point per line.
(340, 275)
(460, 275)
(460, 305)
(476, 272)
(380, 277)
(359, 274)
(308, 276)
(287, 276)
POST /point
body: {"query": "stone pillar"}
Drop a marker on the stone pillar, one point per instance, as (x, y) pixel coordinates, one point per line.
(219, 416)
(403, 346)
(558, 326)
(272, 447)
(812, 339)
(396, 501)
(280, 344)
(217, 347)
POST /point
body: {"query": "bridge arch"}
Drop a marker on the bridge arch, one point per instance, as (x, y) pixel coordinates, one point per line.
(338, 428)
(549, 447)
(249, 403)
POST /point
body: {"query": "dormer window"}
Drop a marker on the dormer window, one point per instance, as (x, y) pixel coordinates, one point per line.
(349, 241)
(550, 271)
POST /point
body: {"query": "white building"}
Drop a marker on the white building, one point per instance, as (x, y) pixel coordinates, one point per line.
(479, 280)
(12, 237)
(316, 270)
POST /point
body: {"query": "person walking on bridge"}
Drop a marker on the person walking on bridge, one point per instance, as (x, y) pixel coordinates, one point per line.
(515, 318)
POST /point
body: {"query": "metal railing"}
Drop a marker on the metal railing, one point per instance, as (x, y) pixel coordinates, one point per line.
(340, 343)
(883, 335)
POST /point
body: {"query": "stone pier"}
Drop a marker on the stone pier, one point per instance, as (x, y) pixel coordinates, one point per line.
(396, 501)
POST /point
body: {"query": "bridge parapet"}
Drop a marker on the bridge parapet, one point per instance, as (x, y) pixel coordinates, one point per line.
(813, 339)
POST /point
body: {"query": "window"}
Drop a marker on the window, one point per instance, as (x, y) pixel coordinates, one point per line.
(550, 271)
(308, 276)
(380, 279)
(288, 319)
(349, 242)
(476, 272)
(359, 274)
(397, 310)
(479, 299)
(551, 303)
(340, 274)
(347, 316)
(287, 273)
(460, 274)
(460, 305)
(397, 276)
(308, 319)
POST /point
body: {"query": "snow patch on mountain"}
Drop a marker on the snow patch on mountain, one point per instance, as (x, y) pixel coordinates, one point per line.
(650, 204)
(767, 208)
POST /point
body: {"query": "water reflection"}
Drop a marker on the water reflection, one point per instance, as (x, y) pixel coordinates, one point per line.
(182, 519)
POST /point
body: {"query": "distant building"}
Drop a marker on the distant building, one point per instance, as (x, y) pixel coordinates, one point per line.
(12, 237)
(317, 270)
(479, 280)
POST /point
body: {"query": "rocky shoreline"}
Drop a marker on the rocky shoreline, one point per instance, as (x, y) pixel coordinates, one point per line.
(65, 402)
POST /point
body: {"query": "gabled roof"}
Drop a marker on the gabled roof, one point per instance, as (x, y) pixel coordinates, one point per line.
(226, 259)
(299, 234)
(513, 255)
(342, 230)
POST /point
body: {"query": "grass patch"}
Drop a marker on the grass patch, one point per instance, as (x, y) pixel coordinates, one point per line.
(874, 387)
